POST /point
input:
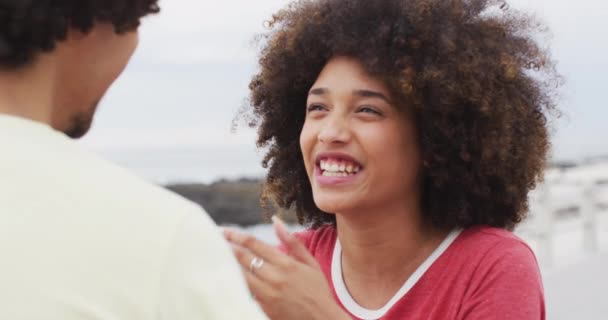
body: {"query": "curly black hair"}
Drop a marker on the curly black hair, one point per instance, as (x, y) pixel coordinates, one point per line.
(479, 85)
(28, 27)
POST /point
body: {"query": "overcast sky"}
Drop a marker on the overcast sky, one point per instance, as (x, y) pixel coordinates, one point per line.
(190, 74)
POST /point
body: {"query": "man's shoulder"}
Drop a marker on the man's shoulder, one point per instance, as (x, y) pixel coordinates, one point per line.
(64, 168)
(79, 226)
(51, 177)
(133, 197)
(71, 183)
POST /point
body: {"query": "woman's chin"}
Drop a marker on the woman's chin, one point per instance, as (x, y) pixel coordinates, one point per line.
(334, 204)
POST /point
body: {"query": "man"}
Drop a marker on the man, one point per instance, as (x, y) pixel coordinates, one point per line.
(79, 237)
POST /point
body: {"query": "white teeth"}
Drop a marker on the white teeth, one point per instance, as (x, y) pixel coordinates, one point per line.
(336, 174)
(338, 169)
(329, 174)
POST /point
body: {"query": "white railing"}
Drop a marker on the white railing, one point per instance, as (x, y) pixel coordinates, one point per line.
(566, 196)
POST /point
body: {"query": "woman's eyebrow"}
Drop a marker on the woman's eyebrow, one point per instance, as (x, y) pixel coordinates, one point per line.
(371, 94)
(360, 92)
(318, 91)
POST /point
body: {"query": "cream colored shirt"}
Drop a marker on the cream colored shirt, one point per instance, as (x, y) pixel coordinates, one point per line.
(81, 238)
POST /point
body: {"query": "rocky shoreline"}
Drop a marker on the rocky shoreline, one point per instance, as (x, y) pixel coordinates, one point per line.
(229, 202)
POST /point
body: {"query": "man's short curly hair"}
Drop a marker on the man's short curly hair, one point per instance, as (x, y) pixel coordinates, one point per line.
(28, 27)
(471, 72)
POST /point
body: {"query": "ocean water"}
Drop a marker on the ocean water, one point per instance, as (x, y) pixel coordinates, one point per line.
(265, 232)
(188, 164)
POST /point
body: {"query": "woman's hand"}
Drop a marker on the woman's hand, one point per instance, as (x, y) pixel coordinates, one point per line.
(286, 286)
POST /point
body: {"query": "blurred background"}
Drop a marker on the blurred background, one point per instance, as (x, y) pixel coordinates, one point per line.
(169, 119)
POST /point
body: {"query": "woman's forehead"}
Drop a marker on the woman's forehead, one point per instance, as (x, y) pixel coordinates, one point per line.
(345, 74)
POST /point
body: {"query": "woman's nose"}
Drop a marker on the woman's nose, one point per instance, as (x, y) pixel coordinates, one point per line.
(335, 130)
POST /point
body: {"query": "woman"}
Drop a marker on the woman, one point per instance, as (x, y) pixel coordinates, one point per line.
(407, 135)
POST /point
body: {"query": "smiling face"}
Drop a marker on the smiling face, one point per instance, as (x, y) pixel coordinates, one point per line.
(360, 151)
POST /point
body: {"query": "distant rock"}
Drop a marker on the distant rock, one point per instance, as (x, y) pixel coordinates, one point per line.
(228, 202)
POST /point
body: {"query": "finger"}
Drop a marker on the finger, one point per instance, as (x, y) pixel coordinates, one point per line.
(267, 272)
(257, 286)
(280, 228)
(261, 291)
(293, 245)
(258, 248)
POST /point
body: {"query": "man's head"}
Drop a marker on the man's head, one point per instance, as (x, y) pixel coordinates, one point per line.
(88, 41)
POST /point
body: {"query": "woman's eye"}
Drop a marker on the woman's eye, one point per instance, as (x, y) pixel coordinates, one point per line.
(370, 110)
(315, 107)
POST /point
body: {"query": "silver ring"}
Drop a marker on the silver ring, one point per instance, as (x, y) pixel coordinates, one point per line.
(256, 263)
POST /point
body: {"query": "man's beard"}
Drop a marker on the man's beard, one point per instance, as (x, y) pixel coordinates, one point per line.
(81, 123)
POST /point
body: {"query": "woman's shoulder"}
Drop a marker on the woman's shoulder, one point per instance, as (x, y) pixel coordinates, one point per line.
(487, 238)
(498, 271)
(491, 250)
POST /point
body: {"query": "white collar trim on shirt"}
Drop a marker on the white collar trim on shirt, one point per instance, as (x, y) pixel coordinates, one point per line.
(354, 308)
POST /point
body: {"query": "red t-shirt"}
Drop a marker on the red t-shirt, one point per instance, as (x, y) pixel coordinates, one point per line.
(476, 274)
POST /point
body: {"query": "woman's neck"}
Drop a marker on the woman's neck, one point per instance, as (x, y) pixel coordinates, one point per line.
(381, 248)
